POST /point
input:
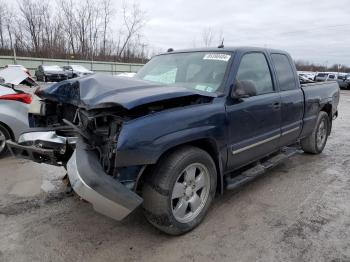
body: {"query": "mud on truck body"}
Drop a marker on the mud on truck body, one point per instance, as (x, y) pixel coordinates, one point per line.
(189, 125)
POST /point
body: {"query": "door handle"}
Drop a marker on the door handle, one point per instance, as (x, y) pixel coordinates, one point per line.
(276, 105)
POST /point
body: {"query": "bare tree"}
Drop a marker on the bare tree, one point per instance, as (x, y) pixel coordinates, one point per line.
(134, 20)
(107, 12)
(68, 18)
(3, 17)
(33, 20)
(63, 28)
(207, 36)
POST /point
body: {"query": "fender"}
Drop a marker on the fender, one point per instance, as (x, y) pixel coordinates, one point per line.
(140, 143)
(151, 152)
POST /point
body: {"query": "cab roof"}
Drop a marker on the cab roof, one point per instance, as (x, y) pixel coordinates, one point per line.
(239, 49)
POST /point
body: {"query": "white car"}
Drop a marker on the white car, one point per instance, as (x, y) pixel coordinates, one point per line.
(10, 72)
(77, 70)
(19, 66)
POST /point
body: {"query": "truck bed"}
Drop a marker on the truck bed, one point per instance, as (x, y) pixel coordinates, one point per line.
(316, 96)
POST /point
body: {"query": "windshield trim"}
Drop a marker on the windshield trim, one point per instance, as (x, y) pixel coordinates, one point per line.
(219, 91)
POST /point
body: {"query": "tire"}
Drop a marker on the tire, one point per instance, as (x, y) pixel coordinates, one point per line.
(170, 189)
(4, 135)
(316, 141)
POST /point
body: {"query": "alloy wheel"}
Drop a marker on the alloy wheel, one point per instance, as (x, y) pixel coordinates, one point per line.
(190, 192)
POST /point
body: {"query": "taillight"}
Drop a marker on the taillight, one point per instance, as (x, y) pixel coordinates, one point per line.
(22, 97)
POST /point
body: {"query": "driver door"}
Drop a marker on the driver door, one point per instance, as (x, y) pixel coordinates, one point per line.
(254, 122)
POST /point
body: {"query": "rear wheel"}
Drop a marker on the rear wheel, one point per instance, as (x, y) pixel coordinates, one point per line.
(317, 140)
(4, 135)
(179, 191)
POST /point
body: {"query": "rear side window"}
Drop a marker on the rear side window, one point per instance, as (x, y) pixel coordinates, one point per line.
(285, 73)
(254, 68)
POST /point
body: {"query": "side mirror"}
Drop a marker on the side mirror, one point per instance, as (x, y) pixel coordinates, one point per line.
(243, 89)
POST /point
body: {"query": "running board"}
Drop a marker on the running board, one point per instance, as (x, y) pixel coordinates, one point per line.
(259, 169)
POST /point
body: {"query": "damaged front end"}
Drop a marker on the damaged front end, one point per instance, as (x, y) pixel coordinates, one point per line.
(86, 146)
(77, 124)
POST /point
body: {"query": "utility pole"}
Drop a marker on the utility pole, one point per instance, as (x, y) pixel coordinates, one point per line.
(14, 56)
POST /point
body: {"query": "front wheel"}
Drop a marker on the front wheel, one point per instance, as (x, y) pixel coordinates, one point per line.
(316, 141)
(179, 191)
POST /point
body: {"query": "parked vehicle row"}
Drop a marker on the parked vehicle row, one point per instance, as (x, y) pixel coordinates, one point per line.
(54, 73)
(344, 81)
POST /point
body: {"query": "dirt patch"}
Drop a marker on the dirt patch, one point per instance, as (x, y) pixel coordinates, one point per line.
(21, 205)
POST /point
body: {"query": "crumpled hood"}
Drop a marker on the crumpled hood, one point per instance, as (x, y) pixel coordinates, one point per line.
(102, 91)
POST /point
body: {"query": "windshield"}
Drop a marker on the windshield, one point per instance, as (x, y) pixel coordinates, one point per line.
(52, 67)
(322, 74)
(203, 71)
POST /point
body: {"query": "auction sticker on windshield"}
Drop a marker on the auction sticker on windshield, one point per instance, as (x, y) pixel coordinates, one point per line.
(217, 56)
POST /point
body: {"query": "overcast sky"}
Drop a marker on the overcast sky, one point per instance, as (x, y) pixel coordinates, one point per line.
(317, 31)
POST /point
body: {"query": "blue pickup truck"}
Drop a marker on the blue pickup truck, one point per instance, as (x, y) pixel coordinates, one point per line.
(189, 125)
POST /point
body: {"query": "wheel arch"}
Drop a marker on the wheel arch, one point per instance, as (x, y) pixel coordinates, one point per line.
(327, 108)
(206, 144)
(8, 130)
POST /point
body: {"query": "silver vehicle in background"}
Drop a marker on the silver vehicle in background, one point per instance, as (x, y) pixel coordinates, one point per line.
(14, 107)
(77, 70)
(50, 73)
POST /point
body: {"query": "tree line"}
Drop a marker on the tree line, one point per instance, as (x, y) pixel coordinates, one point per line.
(69, 29)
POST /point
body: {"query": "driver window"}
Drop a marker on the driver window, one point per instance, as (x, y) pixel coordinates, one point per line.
(254, 68)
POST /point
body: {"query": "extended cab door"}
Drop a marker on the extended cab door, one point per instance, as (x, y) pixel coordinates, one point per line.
(292, 98)
(254, 122)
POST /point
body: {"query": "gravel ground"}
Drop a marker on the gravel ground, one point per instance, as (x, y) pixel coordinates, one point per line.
(299, 211)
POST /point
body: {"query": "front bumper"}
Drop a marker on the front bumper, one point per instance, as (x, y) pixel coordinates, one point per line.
(87, 177)
(90, 182)
(43, 147)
